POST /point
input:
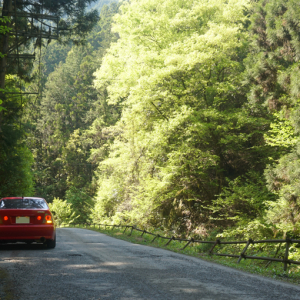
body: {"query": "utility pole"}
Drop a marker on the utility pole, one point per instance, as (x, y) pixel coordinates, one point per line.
(35, 26)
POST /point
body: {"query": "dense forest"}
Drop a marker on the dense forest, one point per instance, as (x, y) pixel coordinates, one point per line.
(177, 114)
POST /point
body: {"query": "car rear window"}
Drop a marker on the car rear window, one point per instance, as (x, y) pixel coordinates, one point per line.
(23, 203)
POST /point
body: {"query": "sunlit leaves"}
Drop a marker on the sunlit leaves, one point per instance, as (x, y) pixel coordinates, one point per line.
(176, 71)
(281, 133)
(154, 44)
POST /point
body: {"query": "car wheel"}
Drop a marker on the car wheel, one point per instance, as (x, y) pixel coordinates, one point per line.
(51, 243)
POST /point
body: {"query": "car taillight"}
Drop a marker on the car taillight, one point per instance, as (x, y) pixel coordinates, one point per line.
(39, 218)
(48, 219)
(5, 218)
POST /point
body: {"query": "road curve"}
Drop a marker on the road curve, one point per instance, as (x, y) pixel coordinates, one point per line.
(87, 265)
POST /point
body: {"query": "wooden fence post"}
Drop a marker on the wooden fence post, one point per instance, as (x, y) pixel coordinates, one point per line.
(214, 245)
(155, 238)
(190, 241)
(270, 261)
(172, 238)
(244, 250)
(131, 230)
(286, 256)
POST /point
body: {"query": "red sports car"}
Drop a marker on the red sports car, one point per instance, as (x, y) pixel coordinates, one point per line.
(26, 219)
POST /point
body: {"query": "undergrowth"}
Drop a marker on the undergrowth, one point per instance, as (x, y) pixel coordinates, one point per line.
(272, 270)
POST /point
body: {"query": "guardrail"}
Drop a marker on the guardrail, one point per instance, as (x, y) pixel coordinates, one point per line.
(285, 260)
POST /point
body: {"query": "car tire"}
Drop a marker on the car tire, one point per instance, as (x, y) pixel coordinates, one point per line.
(51, 243)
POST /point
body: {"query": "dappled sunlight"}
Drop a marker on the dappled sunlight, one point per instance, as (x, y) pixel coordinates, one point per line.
(61, 274)
(100, 270)
(186, 290)
(116, 264)
(102, 267)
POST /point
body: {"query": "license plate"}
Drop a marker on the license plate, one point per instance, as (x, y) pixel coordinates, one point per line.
(22, 220)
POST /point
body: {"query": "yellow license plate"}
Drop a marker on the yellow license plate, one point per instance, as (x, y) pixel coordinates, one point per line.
(22, 220)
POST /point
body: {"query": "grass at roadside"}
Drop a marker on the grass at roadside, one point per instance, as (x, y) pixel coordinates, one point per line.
(272, 270)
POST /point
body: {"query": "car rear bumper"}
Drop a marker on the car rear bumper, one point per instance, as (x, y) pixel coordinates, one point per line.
(26, 232)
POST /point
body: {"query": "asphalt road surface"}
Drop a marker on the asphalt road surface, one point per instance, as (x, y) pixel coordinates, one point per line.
(87, 265)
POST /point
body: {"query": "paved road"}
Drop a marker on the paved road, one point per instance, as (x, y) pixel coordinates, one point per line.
(87, 265)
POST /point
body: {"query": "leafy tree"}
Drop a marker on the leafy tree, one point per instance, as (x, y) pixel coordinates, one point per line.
(272, 67)
(67, 100)
(15, 158)
(61, 139)
(273, 71)
(244, 200)
(64, 20)
(22, 28)
(3, 29)
(63, 212)
(81, 203)
(184, 132)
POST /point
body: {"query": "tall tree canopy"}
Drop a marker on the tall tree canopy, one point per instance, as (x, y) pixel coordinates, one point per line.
(273, 72)
(24, 25)
(184, 132)
(62, 133)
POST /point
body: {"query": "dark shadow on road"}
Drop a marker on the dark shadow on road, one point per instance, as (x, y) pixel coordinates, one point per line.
(22, 246)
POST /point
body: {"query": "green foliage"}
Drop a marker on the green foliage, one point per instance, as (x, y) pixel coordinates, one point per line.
(3, 28)
(273, 71)
(62, 112)
(272, 67)
(183, 135)
(74, 156)
(257, 229)
(283, 179)
(61, 137)
(1, 108)
(169, 117)
(15, 158)
(64, 109)
(74, 24)
(15, 171)
(16, 118)
(281, 133)
(244, 199)
(81, 204)
(63, 212)
(52, 55)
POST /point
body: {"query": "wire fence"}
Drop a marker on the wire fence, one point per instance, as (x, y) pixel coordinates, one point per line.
(242, 255)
